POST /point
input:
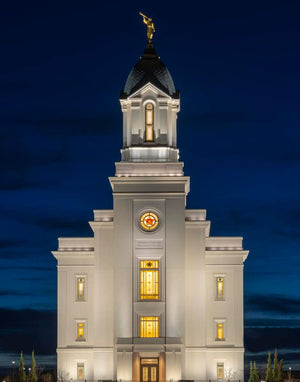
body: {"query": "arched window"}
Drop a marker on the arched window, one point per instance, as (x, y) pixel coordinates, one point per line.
(149, 122)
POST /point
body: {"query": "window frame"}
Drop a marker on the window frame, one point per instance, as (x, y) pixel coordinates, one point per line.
(158, 317)
(221, 366)
(217, 323)
(140, 270)
(85, 277)
(217, 277)
(80, 365)
(149, 125)
(84, 323)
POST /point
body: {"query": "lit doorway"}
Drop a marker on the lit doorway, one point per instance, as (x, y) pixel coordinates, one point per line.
(149, 370)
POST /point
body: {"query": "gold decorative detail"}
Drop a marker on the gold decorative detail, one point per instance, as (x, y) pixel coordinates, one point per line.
(150, 27)
(149, 221)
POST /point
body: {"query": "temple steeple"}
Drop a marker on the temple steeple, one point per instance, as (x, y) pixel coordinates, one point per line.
(150, 105)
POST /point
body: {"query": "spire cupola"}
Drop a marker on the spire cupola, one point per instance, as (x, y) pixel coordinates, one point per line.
(150, 104)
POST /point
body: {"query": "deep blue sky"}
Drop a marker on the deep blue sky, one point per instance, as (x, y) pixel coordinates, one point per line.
(63, 65)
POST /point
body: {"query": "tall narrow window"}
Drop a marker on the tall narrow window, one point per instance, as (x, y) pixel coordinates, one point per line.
(81, 288)
(80, 371)
(149, 279)
(149, 122)
(220, 335)
(80, 331)
(220, 370)
(220, 288)
(149, 327)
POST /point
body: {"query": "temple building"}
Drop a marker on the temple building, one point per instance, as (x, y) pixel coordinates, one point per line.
(151, 296)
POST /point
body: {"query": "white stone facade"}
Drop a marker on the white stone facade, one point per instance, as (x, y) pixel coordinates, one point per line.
(199, 303)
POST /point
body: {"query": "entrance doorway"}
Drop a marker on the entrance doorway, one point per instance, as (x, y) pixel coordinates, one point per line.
(149, 370)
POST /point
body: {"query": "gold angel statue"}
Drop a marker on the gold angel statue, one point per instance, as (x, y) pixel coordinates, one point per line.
(150, 27)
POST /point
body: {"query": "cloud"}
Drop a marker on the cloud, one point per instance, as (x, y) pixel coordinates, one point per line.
(265, 339)
(13, 293)
(27, 267)
(28, 329)
(11, 243)
(277, 304)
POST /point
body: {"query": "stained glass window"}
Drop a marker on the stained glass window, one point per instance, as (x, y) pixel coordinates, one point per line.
(149, 279)
(149, 327)
(149, 221)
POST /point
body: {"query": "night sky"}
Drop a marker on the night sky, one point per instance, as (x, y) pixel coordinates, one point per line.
(237, 66)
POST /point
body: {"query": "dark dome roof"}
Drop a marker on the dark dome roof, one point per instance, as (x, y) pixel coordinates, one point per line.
(149, 69)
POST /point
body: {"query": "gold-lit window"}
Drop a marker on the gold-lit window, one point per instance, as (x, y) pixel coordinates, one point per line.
(149, 221)
(80, 371)
(220, 371)
(80, 288)
(149, 327)
(220, 288)
(220, 331)
(80, 331)
(149, 280)
(149, 122)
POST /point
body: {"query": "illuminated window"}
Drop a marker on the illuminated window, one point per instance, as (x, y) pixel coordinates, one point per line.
(149, 122)
(149, 221)
(220, 288)
(80, 288)
(220, 370)
(80, 331)
(80, 371)
(149, 280)
(149, 327)
(220, 331)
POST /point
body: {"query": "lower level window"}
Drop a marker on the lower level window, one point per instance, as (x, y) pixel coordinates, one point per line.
(220, 335)
(80, 371)
(80, 331)
(149, 327)
(220, 370)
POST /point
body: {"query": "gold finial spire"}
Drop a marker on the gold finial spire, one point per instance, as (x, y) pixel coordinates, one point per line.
(150, 27)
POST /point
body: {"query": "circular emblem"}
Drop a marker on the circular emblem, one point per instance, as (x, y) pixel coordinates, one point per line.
(149, 221)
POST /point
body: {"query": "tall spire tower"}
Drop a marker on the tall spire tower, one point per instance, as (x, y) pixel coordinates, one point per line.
(151, 296)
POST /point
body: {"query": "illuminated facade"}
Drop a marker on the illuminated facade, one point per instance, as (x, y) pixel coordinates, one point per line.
(151, 296)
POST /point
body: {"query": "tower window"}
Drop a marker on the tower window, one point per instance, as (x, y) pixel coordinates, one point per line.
(149, 122)
(149, 327)
(220, 334)
(80, 331)
(220, 370)
(149, 280)
(80, 288)
(220, 288)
